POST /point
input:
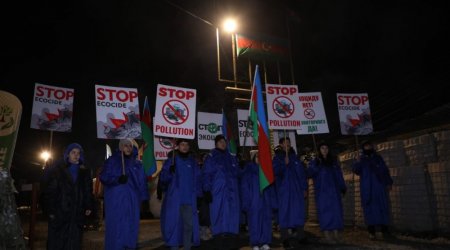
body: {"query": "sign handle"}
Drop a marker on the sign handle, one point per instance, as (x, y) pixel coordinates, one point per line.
(314, 143)
(173, 150)
(123, 164)
(51, 141)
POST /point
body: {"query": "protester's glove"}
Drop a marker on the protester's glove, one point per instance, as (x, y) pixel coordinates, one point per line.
(123, 179)
(207, 196)
(172, 168)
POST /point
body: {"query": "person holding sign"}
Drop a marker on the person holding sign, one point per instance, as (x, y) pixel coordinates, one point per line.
(68, 199)
(180, 179)
(220, 183)
(291, 188)
(329, 184)
(258, 206)
(375, 183)
(125, 187)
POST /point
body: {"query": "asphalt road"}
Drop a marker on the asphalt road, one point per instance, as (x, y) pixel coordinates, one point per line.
(353, 238)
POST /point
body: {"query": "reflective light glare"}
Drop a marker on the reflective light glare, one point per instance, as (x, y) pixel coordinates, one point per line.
(230, 25)
(45, 155)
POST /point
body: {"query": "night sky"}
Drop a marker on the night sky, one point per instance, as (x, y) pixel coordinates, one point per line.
(397, 51)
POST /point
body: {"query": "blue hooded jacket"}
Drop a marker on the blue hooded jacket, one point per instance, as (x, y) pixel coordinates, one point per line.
(220, 177)
(328, 185)
(290, 182)
(122, 201)
(171, 221)
(374, 180)
(258, 206)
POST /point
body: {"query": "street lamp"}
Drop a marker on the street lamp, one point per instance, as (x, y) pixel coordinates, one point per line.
(45, 155)
(230, 25)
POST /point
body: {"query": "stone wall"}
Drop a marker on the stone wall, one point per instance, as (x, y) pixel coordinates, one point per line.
(420, 197)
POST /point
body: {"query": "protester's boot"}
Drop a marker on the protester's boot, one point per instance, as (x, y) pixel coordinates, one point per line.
(372, 232)
(301, 236)
(385, 232)
(203, 233)
(337, 236)
(328, 238)
(287, 244)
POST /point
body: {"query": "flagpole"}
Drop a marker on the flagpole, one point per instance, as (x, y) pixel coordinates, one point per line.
(265, 72)
(279, 82)
(250, 71)
(233, 48)
(248, 117)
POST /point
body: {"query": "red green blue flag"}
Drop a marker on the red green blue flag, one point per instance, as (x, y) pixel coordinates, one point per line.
(148, 155)
(261, 133)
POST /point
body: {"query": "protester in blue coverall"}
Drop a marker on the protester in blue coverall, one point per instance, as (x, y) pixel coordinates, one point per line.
(125, 187)
(68, 199)
(220, 183)
(259, 206)
(180, 179)
(375, 184)
(291, 188)
(329, 184)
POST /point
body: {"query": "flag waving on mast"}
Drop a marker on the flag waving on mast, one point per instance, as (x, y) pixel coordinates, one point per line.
(261, 136)
(148, 156)
(227, 133)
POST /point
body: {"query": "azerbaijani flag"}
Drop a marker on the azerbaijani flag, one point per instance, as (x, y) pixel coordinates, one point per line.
(227, 133)
(261, 135)
(148, 156)
(261, 47)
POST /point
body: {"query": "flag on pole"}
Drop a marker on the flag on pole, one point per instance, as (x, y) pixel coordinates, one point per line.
(261, 47)
(261, 133)
(227, 133)
(148, 156)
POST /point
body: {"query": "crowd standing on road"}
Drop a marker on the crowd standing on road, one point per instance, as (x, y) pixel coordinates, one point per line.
(204, 199)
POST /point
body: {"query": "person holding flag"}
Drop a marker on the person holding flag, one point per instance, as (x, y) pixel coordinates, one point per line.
(259, 205)
(220, 186)
(125, 187)
(291, 188)
(181, 181)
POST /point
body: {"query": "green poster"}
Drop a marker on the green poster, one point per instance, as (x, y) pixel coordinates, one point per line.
(11, 234)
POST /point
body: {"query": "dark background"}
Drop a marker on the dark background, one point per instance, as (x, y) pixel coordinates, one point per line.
(396, 51)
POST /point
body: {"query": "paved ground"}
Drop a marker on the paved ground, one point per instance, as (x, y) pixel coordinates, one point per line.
(150, 238)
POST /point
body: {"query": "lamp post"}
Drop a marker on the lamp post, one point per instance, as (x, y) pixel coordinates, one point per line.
(45, 155)
(230, 26)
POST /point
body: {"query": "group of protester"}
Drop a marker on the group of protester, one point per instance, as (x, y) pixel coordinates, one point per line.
(213, 193)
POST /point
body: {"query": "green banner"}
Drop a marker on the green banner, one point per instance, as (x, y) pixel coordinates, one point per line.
(10, 112)
(11, 234)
